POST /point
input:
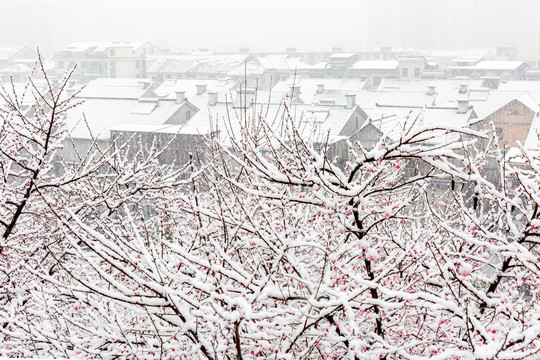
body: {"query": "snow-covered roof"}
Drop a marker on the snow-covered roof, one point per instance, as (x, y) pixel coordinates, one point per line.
(499, 99)
(342, 55)
(17, 69)
(106, 114)
(473, 59)
(391, 120)
(119, 44)
(308, 86)
(365, 98)
(465, 53)
(375, 65)
(136, 127)
(252, 67)
(282, 62)
(204, 63)
(19, 88)
(223, 87)
(520, 85)
(313, 122)
(6, 52)
(446, 90)
(492, 65)
(485, 101)
(102, 46)
(116, 88)
(533, 137)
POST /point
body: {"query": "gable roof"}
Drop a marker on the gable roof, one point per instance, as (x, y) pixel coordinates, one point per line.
(117, 88)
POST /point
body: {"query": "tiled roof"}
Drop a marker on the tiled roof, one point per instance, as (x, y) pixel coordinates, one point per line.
(375, 65)
(105, 114)
(116, 88)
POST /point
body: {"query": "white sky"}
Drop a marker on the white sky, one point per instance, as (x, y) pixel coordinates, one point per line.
(276, 24)
(227, 24)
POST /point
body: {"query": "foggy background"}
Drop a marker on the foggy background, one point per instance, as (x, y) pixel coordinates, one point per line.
(276, 25)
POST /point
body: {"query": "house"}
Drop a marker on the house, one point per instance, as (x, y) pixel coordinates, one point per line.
(17, 55)
(412, 66)
(510, 105)
(319, 125)
(108, 59)
(309, 88)
(16, 72)
(372, 70)
(107, 104)
(17, 63)
(513, 121)
(509, 70)
(197, 65)
(284, 66)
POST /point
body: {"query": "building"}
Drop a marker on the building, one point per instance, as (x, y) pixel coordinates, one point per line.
(513, 120)
(413, 66)
(508, 70)
(108, 104)
(457, 24)
(17, 62)
(13, 55)
(111, 59)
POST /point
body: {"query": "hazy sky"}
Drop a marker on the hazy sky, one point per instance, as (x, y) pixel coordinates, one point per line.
(276, 24)
(230, 24)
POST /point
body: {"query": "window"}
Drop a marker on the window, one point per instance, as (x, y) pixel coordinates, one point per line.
(417, 72)
(137, 64)
(111, 52)
(404, 72)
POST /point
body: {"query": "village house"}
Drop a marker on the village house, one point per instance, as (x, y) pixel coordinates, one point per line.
(17, 62)
(109, 59)
(105, 104)
(509, 70)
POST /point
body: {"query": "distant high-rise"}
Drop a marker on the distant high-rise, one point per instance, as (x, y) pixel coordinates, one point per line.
(456, 24)
(27, 23)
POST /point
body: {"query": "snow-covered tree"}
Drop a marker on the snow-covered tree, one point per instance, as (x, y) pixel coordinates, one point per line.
(266, 248)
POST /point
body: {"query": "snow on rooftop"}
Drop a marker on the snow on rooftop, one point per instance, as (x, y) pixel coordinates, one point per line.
(375, 65)
(342, 55)
(492, 65)
(533, 137)
(116, 88)
(282, 62)
(202, 63)
(101, 46)
(392, 120)
(498, 65)
(106, 114)
(520, 85)
(135, 127)
(6, 52)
